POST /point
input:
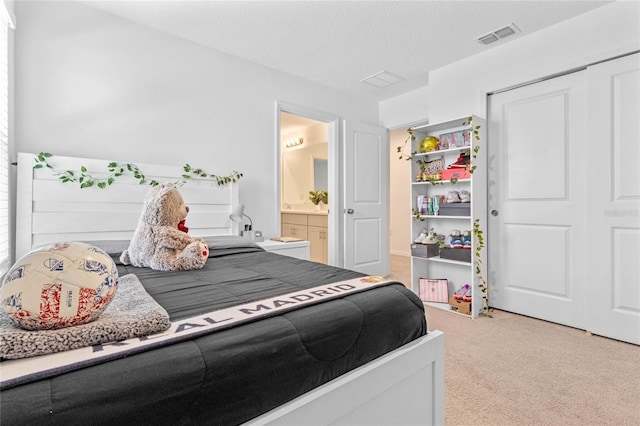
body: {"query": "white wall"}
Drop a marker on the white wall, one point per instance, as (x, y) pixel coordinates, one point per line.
(406, 110)
(460, 89)
(89, 84)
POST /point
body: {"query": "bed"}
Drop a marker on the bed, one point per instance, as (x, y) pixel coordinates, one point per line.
(361, 358)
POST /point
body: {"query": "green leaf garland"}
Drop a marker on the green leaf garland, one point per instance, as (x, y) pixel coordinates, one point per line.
(86, 180)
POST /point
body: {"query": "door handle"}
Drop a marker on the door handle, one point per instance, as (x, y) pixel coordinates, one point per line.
(494, 212)
(350, 211)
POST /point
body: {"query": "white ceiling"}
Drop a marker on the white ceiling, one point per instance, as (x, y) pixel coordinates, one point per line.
(339, 43)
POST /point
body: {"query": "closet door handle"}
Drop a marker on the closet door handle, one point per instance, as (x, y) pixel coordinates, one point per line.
(350, 211)
(494, 212)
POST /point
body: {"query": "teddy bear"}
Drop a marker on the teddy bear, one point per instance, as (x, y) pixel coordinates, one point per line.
(160, 240)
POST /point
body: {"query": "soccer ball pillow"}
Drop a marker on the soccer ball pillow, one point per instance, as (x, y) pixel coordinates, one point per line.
(59, 285)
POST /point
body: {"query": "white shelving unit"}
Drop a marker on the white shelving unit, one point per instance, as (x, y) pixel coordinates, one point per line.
(456, 272)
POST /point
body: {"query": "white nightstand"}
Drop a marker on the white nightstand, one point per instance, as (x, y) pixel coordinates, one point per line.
(299, 249)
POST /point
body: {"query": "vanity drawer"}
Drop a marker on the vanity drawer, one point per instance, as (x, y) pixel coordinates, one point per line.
(295, 219)
(318, 220)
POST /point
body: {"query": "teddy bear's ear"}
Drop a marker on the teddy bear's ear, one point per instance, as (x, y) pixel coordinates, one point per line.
(155, 202)
(170, 213)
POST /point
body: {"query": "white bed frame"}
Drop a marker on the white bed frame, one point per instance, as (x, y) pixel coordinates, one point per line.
(404, 387)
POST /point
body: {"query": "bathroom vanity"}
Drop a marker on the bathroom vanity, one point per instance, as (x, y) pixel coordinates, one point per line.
(310, 225)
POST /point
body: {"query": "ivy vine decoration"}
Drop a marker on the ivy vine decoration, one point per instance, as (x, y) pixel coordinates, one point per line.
(220, 180)
(433, 181)
(407, 141)
(417, 215)
(475, 130)
(482, 282)
(476, 135)
(115, 170)
(477, 230)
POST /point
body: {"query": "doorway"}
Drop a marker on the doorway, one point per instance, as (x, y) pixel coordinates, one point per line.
(304, 182)
(358, 180)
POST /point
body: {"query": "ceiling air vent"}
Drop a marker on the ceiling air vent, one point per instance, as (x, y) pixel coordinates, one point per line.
(382, 79)
(498, 34)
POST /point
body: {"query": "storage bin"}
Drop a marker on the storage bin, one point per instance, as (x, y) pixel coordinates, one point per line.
(455, 209)
(456, 172)
(460, 306)
(434, 290)
(459, 254)
(425, 250)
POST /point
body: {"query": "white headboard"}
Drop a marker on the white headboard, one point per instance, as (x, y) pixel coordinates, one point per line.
(48, 210)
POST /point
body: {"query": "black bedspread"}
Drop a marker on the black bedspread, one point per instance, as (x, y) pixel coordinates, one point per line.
(234, 375)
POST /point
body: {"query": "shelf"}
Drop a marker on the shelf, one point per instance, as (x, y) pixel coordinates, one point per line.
(440, 182)
(444, 307)
(446, 126)
(433, 216)
(443, 151)
(440, 260)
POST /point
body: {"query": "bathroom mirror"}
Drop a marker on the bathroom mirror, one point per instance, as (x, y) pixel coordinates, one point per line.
(320, 174)
(304, 169)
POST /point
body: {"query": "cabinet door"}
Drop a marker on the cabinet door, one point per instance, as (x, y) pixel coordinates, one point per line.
(296, 231)
(319, 246)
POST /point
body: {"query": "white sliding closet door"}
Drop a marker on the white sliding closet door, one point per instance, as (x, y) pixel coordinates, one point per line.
(613, 209)
(537, 189)
(564, 198)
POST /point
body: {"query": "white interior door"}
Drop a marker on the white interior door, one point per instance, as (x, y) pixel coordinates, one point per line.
(366, 193)
(614, 199)
(537, 200)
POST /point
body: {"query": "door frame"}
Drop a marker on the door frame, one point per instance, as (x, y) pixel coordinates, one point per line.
(334, 142)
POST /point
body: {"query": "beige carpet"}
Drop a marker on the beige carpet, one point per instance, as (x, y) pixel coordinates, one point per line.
(515, 370)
